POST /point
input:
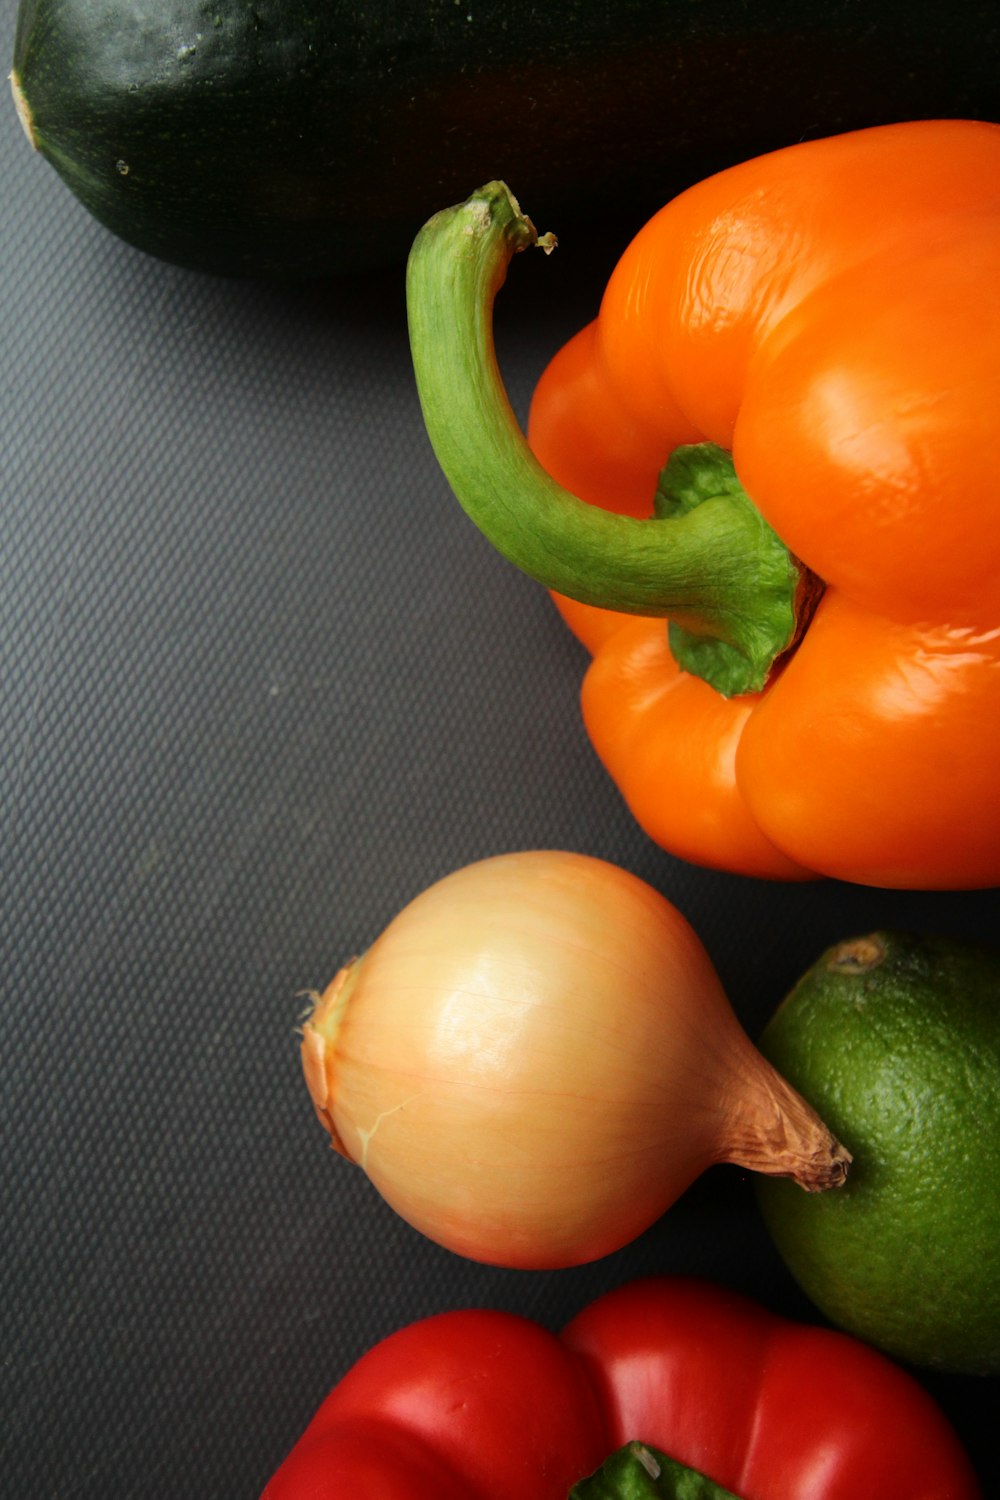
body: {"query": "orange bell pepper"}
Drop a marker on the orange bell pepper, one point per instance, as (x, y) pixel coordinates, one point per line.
(813, 340)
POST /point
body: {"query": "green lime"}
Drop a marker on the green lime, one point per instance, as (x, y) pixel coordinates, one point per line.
(895, 1041)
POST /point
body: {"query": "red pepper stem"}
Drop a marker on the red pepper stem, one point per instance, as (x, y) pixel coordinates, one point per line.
(641, 1472)
(715, 568)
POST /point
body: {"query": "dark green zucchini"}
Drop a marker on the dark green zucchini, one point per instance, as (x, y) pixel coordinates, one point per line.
(303, 137)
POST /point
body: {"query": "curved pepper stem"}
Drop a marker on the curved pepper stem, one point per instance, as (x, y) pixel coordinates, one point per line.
(706, 559)
(639, 1472)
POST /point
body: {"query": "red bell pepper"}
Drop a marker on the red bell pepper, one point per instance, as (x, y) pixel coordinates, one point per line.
(485, 1405)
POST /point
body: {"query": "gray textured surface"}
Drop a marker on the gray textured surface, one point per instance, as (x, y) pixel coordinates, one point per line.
(262, 682)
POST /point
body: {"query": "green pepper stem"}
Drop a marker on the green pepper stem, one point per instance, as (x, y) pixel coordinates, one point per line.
(640, 1472)
(716, 569)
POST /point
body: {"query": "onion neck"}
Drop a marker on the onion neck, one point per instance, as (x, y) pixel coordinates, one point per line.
(639, 1472)
(736, 597)
(775, 1132)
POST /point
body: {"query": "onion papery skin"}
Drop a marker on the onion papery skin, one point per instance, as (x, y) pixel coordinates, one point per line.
(536, 1058)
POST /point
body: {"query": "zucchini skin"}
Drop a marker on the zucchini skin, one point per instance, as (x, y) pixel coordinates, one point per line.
(311, 137)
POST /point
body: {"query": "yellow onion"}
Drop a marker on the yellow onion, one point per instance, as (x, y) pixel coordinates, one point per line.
(537, 1057)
